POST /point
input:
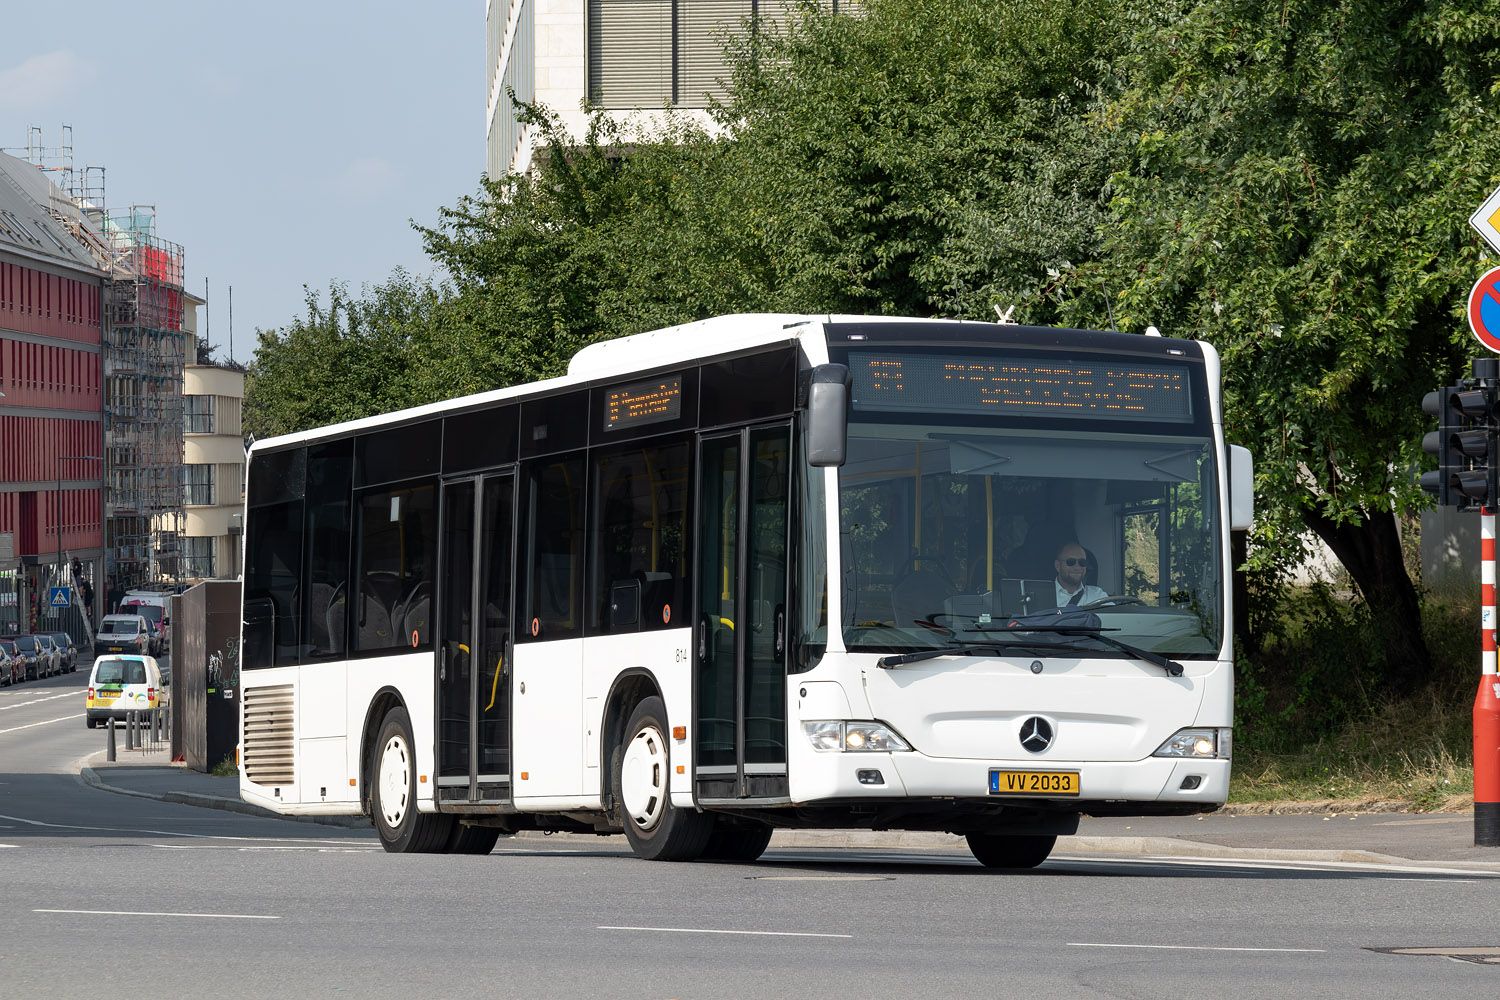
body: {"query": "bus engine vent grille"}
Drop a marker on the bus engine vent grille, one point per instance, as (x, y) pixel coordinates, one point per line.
(269, 734)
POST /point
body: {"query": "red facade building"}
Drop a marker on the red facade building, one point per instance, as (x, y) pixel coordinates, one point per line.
(51, 413)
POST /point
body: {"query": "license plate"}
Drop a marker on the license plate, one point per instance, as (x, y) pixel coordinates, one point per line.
(1034, 782)
(117, 649)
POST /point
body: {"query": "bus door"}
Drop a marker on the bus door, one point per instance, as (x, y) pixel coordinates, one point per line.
(743, 505)
(473, 700)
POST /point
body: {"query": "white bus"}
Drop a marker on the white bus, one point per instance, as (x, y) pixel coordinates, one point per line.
(757, 571)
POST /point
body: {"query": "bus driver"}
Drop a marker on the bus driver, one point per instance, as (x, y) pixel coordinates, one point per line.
(1071, 564)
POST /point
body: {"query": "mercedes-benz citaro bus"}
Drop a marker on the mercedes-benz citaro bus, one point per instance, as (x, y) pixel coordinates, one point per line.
(752, 572)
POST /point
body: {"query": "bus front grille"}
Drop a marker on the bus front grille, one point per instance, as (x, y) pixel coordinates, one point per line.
(269, 745)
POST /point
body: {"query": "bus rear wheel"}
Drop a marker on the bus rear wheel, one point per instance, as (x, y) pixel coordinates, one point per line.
(393, 806)
(656, 830)
(472, 839)
(1000, 851)
(737, 843)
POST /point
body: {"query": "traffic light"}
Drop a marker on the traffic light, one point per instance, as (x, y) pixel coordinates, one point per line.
(1439, 443)
(1474, 479)
(1467, 441)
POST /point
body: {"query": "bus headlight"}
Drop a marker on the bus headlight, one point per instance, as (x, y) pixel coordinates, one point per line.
(1197, 744)
(853, 737)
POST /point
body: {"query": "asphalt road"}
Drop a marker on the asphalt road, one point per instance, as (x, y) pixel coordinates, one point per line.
(99, 890)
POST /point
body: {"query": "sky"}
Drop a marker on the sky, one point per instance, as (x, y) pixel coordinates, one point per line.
(283, 144)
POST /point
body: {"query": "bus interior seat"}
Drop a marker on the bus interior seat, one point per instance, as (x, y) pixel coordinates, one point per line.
(414, 620)
(374, 621)
(318, 598)
(335, 616)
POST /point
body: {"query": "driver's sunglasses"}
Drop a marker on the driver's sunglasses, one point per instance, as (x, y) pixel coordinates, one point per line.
(1075, 562)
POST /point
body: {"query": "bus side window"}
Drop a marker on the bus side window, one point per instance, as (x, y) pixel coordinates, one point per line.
(639, 562)
(553, 535)
(397, 552)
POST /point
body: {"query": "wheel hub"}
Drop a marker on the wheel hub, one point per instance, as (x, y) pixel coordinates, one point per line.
(395, 781)
(643, 778)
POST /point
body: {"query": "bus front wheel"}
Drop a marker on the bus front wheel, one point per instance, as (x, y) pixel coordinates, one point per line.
(656, 830)
(402, 829)
(1000, 851)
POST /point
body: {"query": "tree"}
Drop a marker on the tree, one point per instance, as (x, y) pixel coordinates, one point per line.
(1297, 195)
(356, 357)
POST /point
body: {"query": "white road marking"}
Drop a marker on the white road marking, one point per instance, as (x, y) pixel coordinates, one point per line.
(703, 930)
(1372, 867)
(1187, 947)
(320, 847)
(175, 833)
(148, 913)
(38, 701)
(32, 725)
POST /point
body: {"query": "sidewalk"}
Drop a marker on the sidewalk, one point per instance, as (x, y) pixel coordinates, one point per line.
(1423, 839)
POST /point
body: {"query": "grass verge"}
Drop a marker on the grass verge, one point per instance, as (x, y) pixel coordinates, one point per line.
(1312, 734)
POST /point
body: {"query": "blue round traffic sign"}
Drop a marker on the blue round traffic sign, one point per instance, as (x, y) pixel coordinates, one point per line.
(1484, 309)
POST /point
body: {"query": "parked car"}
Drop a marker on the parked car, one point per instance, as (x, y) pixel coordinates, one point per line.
(8, 667)
(119, 684)
(43, 658)
(22, 665)
(68, 649)
(122, 634)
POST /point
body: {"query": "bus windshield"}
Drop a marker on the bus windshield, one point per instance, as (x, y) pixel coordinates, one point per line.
(951, 530)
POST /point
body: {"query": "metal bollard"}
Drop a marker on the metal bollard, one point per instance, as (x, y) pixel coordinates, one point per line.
(110, 745)
(130, 730)
(155, 727)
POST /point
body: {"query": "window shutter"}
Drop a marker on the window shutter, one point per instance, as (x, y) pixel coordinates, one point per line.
(630, 53)
(702, 27)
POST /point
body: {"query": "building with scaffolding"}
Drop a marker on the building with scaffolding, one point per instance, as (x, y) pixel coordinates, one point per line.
(145, 349)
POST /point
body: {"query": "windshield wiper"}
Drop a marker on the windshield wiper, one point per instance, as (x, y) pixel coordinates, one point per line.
(1172, 667)
(965, 649)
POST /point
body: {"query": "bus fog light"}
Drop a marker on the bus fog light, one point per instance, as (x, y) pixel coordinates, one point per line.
(1196, 743)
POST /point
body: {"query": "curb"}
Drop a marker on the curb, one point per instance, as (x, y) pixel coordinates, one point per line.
(91, 778)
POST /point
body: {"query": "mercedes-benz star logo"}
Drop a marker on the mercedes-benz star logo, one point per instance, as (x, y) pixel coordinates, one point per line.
(1036, 734)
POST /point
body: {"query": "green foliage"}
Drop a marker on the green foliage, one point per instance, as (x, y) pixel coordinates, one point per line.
(1297, 193)
(352, 358)
(1288, 181)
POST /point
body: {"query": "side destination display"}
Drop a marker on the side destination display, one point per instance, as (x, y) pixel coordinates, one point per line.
(643, 403)
(944, 383)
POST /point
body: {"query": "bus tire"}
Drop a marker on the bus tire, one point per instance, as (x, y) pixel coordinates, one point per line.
(1001, 851)
(736, 843)
(656, 830)
(393, 795)
(472, 839)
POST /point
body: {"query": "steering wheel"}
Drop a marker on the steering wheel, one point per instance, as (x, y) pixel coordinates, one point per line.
(1114, 600)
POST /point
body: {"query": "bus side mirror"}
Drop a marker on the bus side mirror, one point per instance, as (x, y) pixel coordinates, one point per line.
(1241, 488)
(827, 423)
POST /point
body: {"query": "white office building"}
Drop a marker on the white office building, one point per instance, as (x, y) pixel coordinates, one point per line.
(621, 55)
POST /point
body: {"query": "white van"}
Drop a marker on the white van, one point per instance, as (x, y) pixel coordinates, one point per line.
(156, 609)
(121, 683)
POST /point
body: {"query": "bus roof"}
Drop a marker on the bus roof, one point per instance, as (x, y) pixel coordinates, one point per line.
(701, 340)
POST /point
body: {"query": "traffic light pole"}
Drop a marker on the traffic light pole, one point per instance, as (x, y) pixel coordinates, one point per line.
(1487, 701)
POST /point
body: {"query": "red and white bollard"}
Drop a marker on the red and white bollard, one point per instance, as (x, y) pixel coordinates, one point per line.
(1487, 701)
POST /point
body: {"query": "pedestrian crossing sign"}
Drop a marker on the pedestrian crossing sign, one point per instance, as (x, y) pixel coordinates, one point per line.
(60, 598)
